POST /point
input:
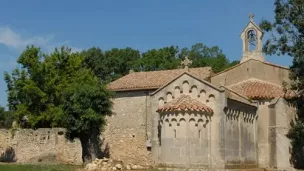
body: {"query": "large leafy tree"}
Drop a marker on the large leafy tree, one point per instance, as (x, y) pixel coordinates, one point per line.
(159, 59)
(111, 64)
(203, 56)
(288, 38)
(114, 63)
(57, 90)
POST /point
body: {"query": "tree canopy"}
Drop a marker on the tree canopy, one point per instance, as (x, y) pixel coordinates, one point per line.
(56, 90)
(288, 38)
(114, 63)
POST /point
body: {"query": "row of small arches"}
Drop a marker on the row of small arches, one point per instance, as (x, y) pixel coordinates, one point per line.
(234, 114)
(193, 92)
(182, 120)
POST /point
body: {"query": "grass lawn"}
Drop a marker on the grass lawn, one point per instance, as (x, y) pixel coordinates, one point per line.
(21, 167)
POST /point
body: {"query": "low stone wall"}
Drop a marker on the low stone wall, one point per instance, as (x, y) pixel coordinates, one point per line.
(41, 145)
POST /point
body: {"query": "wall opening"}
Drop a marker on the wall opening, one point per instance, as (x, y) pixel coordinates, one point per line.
(251, 40)
(199, 134)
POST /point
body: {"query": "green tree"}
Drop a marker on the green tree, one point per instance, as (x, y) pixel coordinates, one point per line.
(111, 64)
(86, 103)
(57, 90)
(159, 59)
(6, 118)
(115, 63)
(203, 56)
(288, 39)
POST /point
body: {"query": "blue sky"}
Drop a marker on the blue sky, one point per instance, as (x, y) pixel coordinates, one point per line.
(140, 24)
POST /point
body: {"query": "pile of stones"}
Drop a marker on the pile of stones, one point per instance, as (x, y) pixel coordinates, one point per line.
(106, 164)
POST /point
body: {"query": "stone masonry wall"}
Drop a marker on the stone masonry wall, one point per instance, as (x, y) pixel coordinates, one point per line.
(205, 93)
(240, 136)
(42, 145)
(125, 135)
(129, 127)
(281, 115)
(252, 69)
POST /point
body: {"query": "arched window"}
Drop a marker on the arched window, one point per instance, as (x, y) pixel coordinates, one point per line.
(194, 91)
(251, 40)
(203, 96)
(176, 92)
(185, 87)
(161, 102)
(169, 97)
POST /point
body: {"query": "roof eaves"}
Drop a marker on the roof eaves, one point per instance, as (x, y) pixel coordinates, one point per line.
(186, 72)
(254, 25)
(242, 96)
(133, 89)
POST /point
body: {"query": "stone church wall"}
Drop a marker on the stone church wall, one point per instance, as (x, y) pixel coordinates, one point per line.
(281, 115)
(195, 149)
(263, 133)
(185, 139)
(252, 69)
(240, 135)
(129, 127)
(41, 145)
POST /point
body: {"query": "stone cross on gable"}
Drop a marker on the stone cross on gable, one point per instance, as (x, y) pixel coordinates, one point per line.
(251, 16)
(186, 62)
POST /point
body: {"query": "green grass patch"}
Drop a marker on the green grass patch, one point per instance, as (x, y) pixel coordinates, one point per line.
(26, 167)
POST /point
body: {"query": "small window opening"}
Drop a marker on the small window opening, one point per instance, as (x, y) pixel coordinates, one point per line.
(174, 133)
(199, 134)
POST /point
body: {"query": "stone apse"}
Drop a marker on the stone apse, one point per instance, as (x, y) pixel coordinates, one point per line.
(198, 125)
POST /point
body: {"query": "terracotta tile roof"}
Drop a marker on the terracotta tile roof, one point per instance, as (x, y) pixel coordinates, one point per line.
(238, 97)
(185, 103)
(154, 79)
(258, 89)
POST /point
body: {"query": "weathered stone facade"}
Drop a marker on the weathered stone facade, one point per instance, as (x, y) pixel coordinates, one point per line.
(39, 145)
(227, 139)
(222, 126)
(243, 132)
(129, 128)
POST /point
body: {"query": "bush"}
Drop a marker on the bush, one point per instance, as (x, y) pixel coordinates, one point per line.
(6, 119)
(8, 155)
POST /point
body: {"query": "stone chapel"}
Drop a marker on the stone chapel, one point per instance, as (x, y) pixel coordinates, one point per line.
(192, 117)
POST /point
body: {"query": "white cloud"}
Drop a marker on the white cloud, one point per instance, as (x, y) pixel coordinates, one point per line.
(15, 40)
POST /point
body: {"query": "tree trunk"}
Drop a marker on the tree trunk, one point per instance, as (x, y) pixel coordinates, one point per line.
(90, 147)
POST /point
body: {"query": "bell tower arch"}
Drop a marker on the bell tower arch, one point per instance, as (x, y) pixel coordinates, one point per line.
(252, 41)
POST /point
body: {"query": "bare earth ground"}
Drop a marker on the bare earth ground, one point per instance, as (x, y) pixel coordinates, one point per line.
(27, 167)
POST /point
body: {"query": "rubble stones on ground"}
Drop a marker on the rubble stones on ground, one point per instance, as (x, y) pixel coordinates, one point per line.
(106, 164)
(118, 166)
(128, 167)
(91, 167)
